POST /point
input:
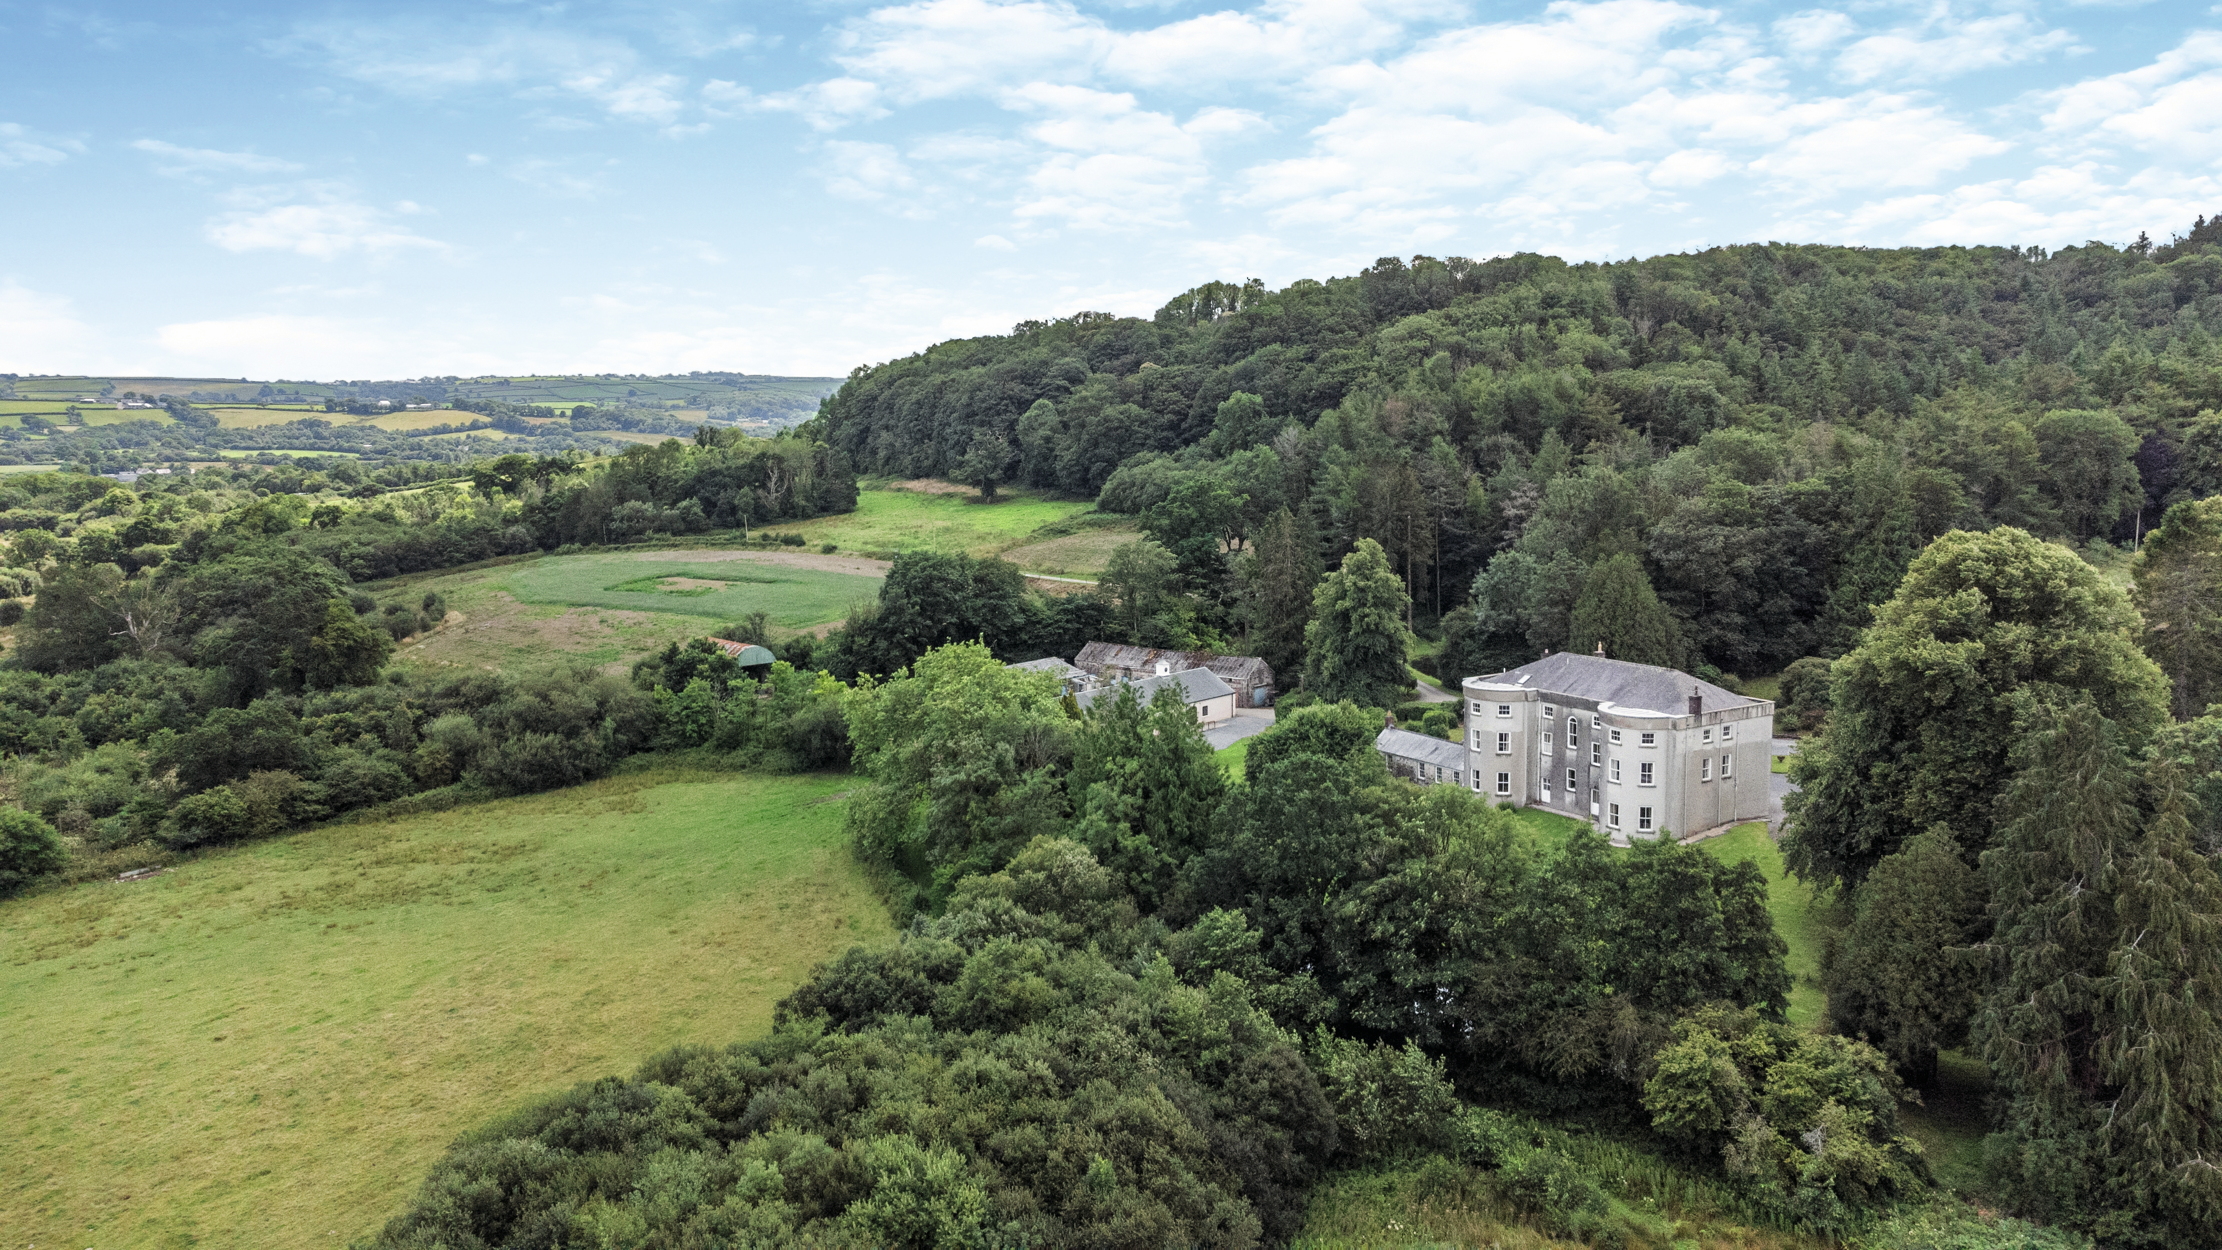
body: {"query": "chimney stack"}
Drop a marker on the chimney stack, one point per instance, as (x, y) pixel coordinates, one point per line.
(1697, 702)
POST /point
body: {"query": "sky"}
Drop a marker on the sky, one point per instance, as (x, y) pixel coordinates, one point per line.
(409, 189)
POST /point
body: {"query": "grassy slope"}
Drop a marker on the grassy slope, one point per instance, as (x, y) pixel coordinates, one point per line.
(901, 520)
(270, 1045)
(1791, 903)
(795, 597)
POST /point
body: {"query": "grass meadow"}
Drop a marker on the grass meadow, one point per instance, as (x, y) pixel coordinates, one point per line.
(890, 520)
(608, 608)
(269, 1045)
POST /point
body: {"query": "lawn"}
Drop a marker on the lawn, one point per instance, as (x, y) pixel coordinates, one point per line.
(1232, 758)
(269, 1045)
(525, 614)
(888, 520)
(1792, 905)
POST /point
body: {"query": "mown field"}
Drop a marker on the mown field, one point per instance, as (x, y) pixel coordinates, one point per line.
(610, 608)
(938, 519)
(270, 1044)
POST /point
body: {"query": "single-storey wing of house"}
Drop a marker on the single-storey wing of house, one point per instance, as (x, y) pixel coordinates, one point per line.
(1203, 691)
(1249, 677)
(1424, 758)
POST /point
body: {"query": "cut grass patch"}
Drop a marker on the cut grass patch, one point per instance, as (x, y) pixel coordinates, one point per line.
(796, 598)
(1233, 758)
(269, 1046)
(1551, 830)
(1791, 903)
(901, 520)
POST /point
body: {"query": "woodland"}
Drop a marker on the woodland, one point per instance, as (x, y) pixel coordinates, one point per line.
(1963, 501)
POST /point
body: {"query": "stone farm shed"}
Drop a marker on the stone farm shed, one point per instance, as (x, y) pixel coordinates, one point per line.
(1200, 688)
(1249, 677)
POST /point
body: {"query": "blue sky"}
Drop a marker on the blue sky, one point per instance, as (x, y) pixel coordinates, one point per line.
(396, 189)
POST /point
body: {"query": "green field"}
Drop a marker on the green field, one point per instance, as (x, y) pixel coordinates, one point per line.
(902, 520)
(269, 1045)
(796, 598)
(525, 613)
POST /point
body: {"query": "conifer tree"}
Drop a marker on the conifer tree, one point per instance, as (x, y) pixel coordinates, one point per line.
(1355, 646)
(1278, 578)
(2070, 822)
(1619, 609)
(2162, 1044)
(1903, 979)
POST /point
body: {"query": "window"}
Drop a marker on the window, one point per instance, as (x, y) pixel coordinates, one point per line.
(1549, 711)
(1708, 736)
(1726, 762)
(1477, 709)
(1649, 740)
(1596, 754)
(1705, 769)
(1616, 772)
(1643, 773)
(1728, 733)
(1504, 783)
(1438, 772)
(1504, 709)
(1643, 819)
(1476, 735)
(1504, 744)
(1477, 783)
(1616, 737)
(1570, 783)
(1573, 731)
(1546, 743)
(1595, 723)
(1612, 815)
(1454, 776)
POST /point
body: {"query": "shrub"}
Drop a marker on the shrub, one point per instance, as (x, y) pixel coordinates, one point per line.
(29, 848)
(213, 815)
(829, 549)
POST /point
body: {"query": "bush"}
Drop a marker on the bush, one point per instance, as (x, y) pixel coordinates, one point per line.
(214, 815)
(29, 849)
(829, 549)
(791, 540)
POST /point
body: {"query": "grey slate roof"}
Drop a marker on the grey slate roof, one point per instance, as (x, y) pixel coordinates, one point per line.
(1620, 682)
(1196, 685)
(1049, 664)
(1427, 748)
(1097, 656)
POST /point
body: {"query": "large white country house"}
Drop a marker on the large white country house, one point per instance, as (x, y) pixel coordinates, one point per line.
(1635, 749)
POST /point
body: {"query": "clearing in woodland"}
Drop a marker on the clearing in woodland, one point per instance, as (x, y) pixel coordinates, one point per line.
(921, 515)
(612, 607)
(271, 1044)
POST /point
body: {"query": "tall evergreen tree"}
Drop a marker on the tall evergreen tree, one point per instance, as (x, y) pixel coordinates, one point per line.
(1985, 631)
(1619, 610)
(2071, 820)
(2178, 580)
(2162, 1044)
(1355, 647)
(1902, 978)
(1278, 577)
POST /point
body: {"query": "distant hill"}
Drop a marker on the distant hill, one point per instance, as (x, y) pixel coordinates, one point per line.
(751, 399)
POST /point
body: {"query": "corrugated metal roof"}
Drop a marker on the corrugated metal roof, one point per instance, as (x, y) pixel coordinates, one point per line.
(748, 653)
(1427, 748)
(1195, 684)
(1633, 686)
(1048, 664)
(1247, 669)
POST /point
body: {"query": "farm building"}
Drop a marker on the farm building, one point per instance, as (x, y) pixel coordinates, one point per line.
(1250, 678)
(748, 654)
(1075, 679)
(1211, 698)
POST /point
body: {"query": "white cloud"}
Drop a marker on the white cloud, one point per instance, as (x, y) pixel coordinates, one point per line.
(1113, 164)
(41, 333)
(995, 243)
(865, 171)
(1813, 31)
(173, 159)
(941, 48)
(1870, 141)
(326, 226)
(2172, 107)
(429, 58)
(1945, 47)
(20, 145)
